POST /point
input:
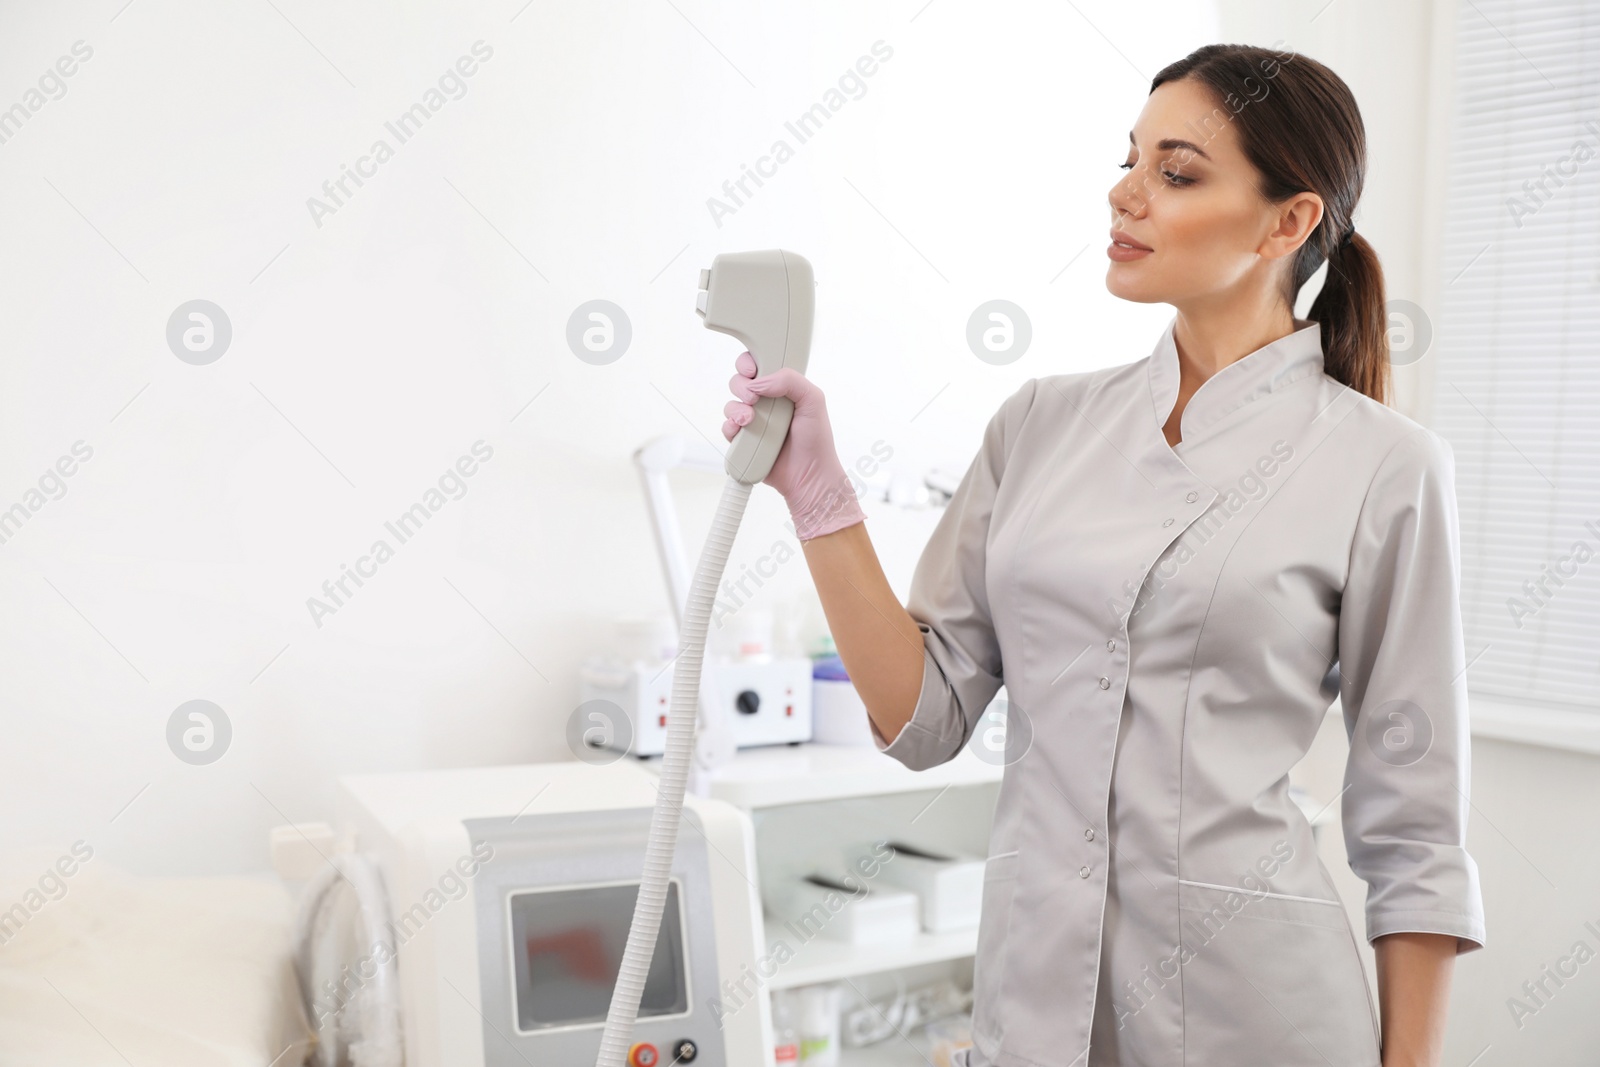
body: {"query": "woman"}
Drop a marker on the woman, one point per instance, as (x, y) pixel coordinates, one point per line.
(1174, 565)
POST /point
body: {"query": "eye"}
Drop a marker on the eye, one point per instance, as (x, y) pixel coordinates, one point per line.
(1172, 179)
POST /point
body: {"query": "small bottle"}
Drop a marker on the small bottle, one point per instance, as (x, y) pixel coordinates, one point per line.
(785, 1036)
(819, 1026)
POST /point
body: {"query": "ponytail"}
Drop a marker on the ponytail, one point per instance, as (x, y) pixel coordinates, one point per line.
(1354, 316)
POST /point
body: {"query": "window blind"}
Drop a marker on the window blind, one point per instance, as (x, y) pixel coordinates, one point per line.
(1517, 336)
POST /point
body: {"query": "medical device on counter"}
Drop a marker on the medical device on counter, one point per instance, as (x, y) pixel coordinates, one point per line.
(482, 913)
(764, 703)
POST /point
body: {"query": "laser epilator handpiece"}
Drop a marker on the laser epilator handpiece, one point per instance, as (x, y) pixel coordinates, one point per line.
(767, 300)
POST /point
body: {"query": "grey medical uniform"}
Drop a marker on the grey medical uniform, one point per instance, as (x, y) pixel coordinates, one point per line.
(1166, 622)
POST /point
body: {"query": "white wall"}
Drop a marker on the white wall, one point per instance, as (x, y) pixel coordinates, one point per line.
(372, 351)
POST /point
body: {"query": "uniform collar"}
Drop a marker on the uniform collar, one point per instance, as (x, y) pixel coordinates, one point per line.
(1270, 367)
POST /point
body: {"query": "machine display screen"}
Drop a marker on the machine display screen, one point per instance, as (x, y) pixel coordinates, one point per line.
(567, 946)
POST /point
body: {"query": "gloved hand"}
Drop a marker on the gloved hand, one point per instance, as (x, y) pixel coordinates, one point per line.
(807, 471)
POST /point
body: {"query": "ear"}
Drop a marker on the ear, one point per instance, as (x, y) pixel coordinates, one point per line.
(1297, 220)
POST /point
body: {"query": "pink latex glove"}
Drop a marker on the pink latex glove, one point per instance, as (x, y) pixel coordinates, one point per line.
(807, 471)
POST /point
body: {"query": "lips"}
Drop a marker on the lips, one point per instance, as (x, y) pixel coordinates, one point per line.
(1122, 238)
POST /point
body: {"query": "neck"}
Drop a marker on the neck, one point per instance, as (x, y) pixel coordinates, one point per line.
(1209, 339)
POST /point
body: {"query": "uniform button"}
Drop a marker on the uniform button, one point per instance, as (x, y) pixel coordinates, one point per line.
(1083, 872)
(1105, 683)
(1111, 646)
(1167, 523)
(1192, 497)
(1088, 835)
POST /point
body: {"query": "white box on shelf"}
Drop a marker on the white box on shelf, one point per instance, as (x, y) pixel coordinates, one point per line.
(948, 885)
(838, 714)
(860, 914)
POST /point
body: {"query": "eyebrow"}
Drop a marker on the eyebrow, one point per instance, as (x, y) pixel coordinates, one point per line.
(1173, 142)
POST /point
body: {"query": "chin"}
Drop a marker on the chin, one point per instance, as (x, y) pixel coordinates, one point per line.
(1125, 288)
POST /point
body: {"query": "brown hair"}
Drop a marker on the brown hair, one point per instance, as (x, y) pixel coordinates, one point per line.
(1299, 126)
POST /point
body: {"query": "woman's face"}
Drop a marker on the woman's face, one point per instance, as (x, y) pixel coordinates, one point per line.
(1190, 196)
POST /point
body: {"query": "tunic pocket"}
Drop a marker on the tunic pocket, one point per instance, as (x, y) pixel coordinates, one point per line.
(988, 964)
(1270, 978)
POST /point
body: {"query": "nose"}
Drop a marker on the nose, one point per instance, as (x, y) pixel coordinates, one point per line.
(1124, 197)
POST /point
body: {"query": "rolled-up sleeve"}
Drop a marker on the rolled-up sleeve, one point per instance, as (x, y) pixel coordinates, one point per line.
(950, 602)
(1402, 664)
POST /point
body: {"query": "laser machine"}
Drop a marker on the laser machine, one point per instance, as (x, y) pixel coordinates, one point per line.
(477, 918)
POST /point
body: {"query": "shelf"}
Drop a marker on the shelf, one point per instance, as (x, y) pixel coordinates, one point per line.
(798, 774)
(823, 959)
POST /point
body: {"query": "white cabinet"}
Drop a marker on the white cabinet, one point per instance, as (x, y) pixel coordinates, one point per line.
(814, 805)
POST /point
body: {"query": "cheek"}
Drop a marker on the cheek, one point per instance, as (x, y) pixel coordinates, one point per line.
(1195, 221)
(1209, 230)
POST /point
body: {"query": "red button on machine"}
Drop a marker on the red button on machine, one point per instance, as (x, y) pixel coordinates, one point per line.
(643, 1054)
